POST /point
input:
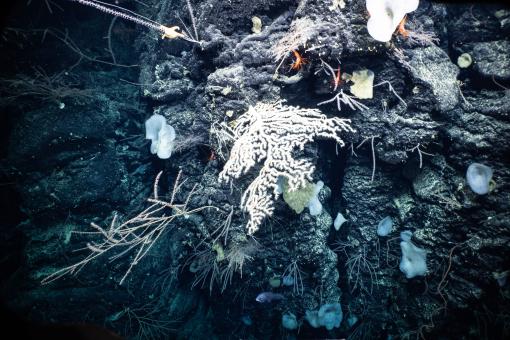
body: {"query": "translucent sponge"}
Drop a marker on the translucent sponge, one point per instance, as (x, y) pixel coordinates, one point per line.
(385, 15)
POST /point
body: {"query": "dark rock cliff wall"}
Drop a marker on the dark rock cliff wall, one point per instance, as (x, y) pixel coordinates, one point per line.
(427, 122)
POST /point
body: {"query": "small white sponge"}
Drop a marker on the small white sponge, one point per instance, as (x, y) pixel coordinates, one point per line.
(479, 178)
(414, 260)
(385, 15)
(161, 134)
(339, 220)
(314, 204)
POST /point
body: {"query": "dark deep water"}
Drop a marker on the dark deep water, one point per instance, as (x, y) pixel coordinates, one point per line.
(225, 224)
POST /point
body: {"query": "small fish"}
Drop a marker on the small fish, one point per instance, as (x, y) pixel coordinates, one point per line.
(268, 297)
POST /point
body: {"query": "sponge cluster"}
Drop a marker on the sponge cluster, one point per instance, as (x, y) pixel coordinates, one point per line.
(329, 316)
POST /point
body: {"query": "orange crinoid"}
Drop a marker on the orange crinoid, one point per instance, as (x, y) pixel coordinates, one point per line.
(299, 62)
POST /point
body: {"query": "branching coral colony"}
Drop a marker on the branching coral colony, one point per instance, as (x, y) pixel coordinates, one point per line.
(271, 133)
(138, 234)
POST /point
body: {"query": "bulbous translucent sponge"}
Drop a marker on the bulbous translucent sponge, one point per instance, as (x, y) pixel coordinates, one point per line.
(161, 134)
(385, 15)
(479, 178)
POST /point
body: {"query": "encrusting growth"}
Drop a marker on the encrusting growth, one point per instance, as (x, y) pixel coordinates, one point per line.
(272, 133)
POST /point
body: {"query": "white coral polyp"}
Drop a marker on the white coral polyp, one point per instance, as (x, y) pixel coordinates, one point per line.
(385, 15)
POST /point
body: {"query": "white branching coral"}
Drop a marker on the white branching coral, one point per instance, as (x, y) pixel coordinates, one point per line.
(271, 133)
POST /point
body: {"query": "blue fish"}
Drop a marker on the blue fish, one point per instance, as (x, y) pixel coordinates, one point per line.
(268, 297)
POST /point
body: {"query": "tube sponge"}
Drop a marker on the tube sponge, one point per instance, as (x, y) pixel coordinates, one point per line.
(385, 15)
